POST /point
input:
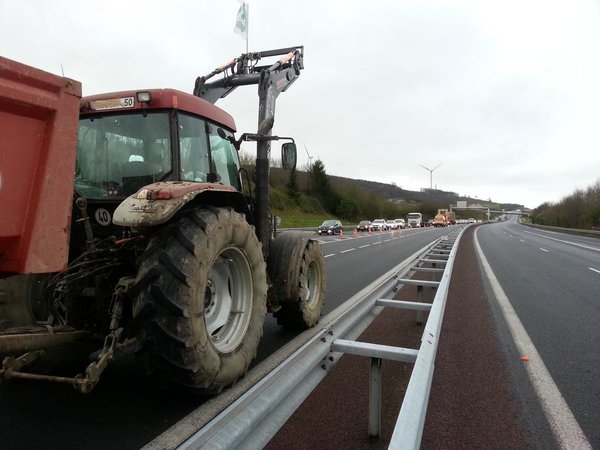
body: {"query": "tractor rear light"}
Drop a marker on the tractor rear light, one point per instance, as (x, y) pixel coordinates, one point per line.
(149, 194)
(162, 195)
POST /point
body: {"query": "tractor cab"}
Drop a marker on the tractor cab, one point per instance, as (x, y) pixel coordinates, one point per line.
(128, 140)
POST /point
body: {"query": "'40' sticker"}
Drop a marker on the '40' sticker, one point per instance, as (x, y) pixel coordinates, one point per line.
(102, 217)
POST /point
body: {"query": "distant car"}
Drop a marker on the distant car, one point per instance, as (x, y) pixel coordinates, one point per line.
(379, 225)
(330, 227)
(401, 223)
(364, 225)
(470, 220)
(392, 225)
(429, 223)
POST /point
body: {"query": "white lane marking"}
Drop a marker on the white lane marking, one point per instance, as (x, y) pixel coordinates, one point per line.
(346, 251)
(327, 256)
(363, 246)
(596, 249)
(595, 270)
(387, 240)
(565, 428)
(376, 243)
(544, 250)
(521, 240)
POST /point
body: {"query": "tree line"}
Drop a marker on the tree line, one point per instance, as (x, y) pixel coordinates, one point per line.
(581, 210)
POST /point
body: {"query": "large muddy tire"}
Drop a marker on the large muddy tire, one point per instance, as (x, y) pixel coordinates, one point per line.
(201, 299)
(20, 296)
(297, 270)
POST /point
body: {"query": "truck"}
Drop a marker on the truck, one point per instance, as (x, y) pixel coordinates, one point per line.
(414, 220)
(128, 224)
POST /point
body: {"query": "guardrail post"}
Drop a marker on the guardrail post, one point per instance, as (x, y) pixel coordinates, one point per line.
(375, 398)
(420, 300)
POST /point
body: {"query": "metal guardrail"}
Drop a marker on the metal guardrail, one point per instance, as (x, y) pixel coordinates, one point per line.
(256, 416)
(577, 231)
(409, 426)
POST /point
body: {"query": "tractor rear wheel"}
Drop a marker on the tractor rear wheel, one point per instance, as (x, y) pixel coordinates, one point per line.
(20, 297)
(202, 299)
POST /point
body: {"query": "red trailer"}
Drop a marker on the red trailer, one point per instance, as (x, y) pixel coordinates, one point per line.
(38, 133)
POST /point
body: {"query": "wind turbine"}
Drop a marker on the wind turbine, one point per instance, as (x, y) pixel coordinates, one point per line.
(310, 158)
(430, 174)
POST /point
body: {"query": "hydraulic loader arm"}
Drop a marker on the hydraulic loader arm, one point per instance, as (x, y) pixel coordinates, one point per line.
(244, 71)
(271, 80)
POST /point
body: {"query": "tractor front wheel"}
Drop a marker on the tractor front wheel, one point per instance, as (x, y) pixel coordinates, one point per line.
(296, 267)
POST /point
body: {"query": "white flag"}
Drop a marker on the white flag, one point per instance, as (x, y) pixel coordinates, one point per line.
(241, 23)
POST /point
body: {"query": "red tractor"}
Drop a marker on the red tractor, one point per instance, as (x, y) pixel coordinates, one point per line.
(172, 250)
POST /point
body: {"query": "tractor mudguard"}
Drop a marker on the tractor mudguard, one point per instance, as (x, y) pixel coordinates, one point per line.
(157, 203)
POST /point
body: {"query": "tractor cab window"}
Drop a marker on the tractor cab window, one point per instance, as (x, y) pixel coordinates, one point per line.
(193, 148)
(225, 160)
(119, 154)
(202, 152)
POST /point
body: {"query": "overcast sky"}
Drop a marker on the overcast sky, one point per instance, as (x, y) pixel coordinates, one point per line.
(505, 95)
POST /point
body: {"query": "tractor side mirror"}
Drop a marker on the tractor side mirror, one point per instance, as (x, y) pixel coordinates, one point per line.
(288, 156)
(231, 139)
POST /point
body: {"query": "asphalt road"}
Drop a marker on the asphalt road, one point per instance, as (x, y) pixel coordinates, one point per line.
(126, 410)
(552, 281)
(354, 261)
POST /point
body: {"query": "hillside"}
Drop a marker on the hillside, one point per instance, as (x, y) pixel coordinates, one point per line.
(393, 193)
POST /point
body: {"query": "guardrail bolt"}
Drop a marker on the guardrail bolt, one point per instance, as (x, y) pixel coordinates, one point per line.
(324, 367)
(323, 339)
(331, 358)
